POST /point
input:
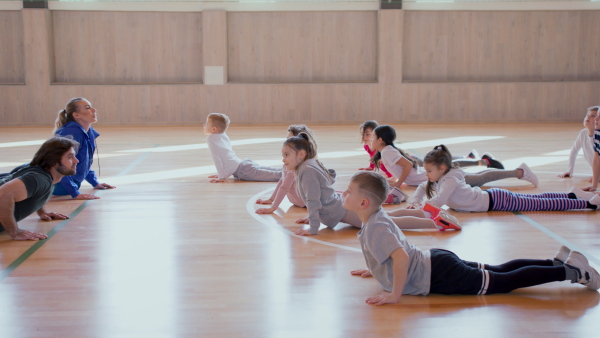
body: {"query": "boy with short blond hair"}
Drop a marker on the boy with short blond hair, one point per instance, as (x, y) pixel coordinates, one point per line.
(226, 161)
(402, 268)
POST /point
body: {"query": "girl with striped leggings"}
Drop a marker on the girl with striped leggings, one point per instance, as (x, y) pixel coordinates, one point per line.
(446, 186)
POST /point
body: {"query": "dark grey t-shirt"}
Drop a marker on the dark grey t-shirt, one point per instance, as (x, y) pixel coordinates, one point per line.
(39, 185)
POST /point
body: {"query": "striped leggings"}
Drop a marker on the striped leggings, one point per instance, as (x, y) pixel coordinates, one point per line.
(504, 200)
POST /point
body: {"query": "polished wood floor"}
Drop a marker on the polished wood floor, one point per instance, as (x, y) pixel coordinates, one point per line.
(168, 254)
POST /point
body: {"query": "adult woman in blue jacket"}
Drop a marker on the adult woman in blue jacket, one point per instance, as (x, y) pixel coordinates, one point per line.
(76, 120)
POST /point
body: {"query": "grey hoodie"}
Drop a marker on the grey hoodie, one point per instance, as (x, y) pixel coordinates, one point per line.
(315, 188)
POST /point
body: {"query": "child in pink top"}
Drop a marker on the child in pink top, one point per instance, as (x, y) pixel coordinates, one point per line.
(287, 184)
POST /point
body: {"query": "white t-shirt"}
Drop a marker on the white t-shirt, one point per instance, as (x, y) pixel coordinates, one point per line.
(223, 155)
(391, 155)
(585, 143)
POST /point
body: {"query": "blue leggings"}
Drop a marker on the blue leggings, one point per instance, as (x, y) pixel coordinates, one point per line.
(504, 200)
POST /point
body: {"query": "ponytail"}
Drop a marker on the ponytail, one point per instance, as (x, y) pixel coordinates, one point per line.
(66, 115)
(306, 142)
(440, 155)
(388, 135)
(296, 129)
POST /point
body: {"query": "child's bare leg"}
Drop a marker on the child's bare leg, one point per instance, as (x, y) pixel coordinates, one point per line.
(406, 212)
(411, 219)
(410, 222)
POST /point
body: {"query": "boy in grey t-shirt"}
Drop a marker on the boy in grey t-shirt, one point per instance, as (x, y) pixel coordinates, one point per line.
(402, 268)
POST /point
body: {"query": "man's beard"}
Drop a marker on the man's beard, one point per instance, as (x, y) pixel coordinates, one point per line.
(61, 169)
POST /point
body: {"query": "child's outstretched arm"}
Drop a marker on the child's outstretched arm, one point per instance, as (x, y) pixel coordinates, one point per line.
(400, 267)
(596, 171)
(406, 168)
(274, 200)
(312, 199)
(572, 158)
(419, 197)
(219, 164)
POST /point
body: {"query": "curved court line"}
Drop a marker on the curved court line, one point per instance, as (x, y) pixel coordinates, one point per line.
(269, 222)
(23, 257)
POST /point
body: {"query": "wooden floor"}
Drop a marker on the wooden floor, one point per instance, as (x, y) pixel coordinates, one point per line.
(168, 254)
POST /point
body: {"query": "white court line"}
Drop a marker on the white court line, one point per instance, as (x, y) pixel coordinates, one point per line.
(265, 220)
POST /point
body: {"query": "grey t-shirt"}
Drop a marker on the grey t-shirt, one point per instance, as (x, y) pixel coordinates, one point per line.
(379, 238)
(39, 186)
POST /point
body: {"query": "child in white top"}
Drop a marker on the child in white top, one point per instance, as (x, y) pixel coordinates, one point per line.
(402, 268)
(405, 169)
(226, 162)
(287, 184)
(446, 186)
(584, 141)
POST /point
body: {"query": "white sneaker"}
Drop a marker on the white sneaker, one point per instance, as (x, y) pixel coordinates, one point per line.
(528, 175)
(595, 200)
(588, 276)
(582, 195)
(473, 154)
(561, 255)
(399, 195)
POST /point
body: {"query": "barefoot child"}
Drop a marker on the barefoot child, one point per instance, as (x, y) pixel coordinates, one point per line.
(226, 162)
(402, 268)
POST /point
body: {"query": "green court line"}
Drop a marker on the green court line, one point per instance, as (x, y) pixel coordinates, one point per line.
(24, 256)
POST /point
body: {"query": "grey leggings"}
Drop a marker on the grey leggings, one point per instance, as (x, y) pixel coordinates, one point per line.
(483, 177)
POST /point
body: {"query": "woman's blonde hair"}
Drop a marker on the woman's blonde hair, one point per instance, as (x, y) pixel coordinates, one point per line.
(66, 115)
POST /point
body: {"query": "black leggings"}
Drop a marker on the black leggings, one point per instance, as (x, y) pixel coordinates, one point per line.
(452, 275)
(522, 273)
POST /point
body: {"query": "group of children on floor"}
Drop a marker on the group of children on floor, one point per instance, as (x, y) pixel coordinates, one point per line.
(400, 267)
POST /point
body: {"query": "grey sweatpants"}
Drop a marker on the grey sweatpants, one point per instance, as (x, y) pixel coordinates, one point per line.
(483, 177)
(251, 171)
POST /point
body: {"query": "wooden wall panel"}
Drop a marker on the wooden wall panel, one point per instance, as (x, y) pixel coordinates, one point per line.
(501, 46)
(215, 43)
(127, 47)
(12, 69)
(271, 47)
(389, 100)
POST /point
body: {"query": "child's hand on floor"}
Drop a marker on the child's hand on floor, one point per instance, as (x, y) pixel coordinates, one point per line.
(361, 272)
(265, 211)
(303, 221)
(383, 298)
(302, 232)
(217, 180)
(259, 201)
